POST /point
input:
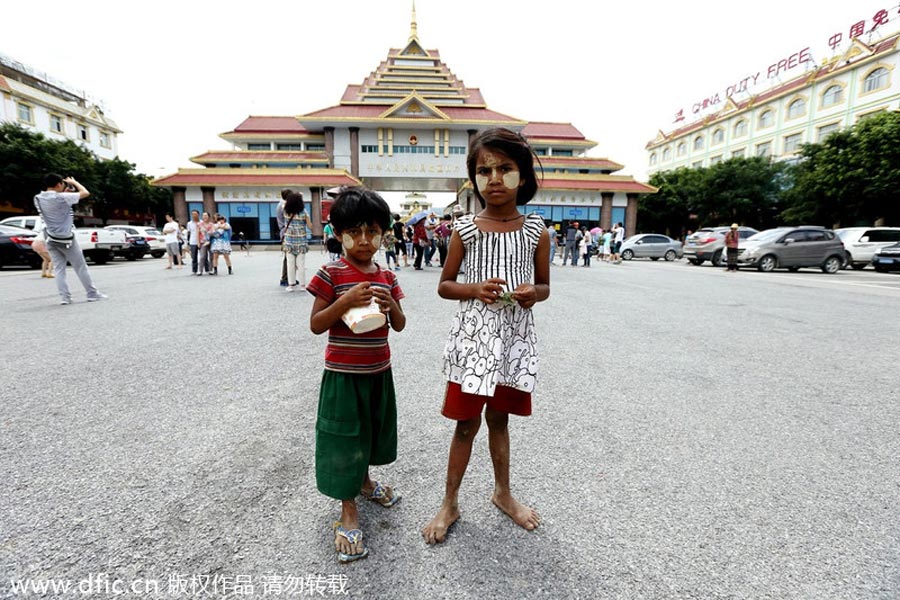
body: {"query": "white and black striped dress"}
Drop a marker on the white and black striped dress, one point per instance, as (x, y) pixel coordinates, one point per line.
(494, 344)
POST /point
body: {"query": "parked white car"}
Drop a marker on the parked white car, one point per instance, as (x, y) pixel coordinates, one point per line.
(155, 238)
(97, 244)
(862, 243)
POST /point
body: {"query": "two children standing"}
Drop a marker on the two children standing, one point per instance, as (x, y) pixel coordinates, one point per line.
(490, 360)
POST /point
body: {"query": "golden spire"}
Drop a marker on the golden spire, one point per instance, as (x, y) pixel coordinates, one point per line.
(413, 33)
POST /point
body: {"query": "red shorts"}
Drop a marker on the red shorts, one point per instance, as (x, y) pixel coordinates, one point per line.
(460, 406)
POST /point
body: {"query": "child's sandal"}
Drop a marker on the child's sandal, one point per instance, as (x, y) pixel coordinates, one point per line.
(380, 495)
(353, 536)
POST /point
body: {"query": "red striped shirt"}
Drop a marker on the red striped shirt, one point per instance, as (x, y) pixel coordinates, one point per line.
(349, 352)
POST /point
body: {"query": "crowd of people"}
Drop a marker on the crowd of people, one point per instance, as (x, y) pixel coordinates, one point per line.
(579, 241)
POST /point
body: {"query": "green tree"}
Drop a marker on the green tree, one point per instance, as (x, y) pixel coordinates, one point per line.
(25, 157)
(852, 178)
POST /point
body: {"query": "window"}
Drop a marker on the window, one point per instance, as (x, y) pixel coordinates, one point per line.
(104, 140)
(562, 153)
(715, 160)
(883, 235)
(832, 96)
(667, 154)
(876, 80)
(739, 153)
(718, 136)
(83, 133)
(792, 143)
(764, 149)
(697, 164)
(766, 119)
(259, 146)
(797, 108)
(56, 123)
(315, 147)
(816, 236)
(653, 158)
(825, 130)
(682, 149)
(290, 147)
(25, 114)
(740, 128)
(698, 142)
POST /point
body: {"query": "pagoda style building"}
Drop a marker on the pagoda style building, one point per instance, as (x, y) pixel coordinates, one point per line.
(406, 128)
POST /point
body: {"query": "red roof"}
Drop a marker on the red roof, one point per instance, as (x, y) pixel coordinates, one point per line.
(245, 155)
(574, 162)
(598, 185)
(259, 179)
(538, 129)
(374, 111)
(270, 125)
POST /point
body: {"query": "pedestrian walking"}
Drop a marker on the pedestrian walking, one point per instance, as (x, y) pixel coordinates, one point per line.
(389, 245)
(171, 231)
(357, 416)
(491, 359)
(295, 245)
(221, 244)
(420, 243)
(398, 229)
(39, 245)
(732, 238)
(442, 238)
(54, 205)
(280, 220)
(586, 246)
(618, 238)
(193, 234)
(551, 231)
(573, 239)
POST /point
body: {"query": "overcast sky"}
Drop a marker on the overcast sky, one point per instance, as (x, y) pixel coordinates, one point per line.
(174, 75)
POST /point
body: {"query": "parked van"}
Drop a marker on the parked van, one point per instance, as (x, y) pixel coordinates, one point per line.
(862, 243)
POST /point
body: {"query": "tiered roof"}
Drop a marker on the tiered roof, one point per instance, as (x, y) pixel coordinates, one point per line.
(411, 86)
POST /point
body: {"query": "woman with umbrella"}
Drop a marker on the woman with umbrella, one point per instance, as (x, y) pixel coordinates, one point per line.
(420, 237)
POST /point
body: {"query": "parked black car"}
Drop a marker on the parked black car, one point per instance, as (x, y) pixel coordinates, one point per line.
(135, 247)
(15, 247)
(887, 259)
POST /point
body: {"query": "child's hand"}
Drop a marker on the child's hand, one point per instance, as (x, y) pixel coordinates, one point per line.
(384, 299)
(359, 295)
(489, 290)
(526, 295)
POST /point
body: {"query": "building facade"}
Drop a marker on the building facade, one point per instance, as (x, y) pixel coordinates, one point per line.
(406, 128)
(41, 104)
(861, 81)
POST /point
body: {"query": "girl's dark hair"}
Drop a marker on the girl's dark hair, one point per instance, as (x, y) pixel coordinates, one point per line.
(293, 203)
(357, 206)
(514, 146)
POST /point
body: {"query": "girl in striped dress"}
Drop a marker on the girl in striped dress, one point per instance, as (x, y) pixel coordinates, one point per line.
(490, 359)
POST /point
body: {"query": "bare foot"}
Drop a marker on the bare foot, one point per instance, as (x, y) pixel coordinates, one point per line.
(436, 530)
(524, 516)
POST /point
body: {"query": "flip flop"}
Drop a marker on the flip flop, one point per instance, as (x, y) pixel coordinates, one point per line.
(379, 495)
(353, 536)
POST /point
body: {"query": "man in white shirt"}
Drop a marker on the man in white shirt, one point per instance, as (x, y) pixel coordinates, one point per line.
(170, 233)
(193, 231)
(618, 238)
(55, 207)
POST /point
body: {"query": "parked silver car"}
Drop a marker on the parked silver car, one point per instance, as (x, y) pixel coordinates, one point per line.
(792, 248)
(862, 243)
(651, 245)
(709, 244)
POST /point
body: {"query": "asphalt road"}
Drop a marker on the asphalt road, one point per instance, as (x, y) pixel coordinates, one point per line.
(696, 434)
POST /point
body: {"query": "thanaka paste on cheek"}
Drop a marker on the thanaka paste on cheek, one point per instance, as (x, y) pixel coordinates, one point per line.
(511, 180)
(347, 240)
(376, 241)
(482, 182)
